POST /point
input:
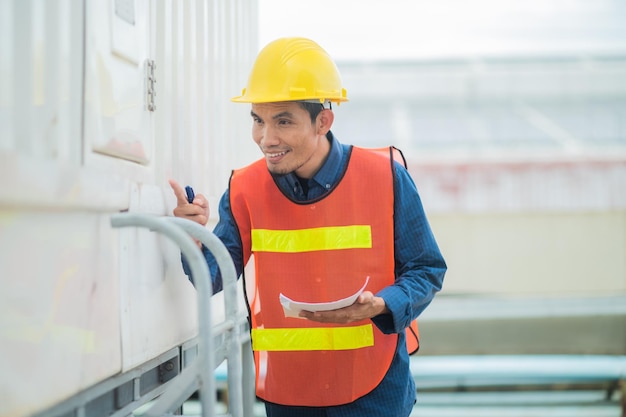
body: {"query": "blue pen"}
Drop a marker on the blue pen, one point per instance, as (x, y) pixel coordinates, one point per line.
(190, 194)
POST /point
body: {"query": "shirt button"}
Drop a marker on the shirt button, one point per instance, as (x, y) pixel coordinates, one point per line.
(327, 186)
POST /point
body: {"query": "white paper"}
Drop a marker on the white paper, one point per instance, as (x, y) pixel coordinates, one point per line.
(292, 308)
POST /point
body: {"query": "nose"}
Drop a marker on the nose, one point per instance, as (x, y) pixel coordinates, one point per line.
(269, 137)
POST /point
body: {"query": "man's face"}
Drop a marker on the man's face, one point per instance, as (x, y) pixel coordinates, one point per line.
(288, 139)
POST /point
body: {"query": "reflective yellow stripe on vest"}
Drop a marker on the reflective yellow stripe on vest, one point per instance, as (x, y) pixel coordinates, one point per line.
(318, 338)
(315, 239)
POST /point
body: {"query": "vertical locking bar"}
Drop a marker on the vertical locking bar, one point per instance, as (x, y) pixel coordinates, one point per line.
(150, 81)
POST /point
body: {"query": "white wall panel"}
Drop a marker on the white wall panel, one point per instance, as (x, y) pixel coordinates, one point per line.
(59, 308)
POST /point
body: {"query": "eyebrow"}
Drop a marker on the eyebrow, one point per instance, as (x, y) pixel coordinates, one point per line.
(283, 114)
(276, 116)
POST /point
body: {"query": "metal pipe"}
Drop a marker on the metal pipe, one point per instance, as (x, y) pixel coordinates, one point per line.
(200, 271)
(248, 388)
(229, 282)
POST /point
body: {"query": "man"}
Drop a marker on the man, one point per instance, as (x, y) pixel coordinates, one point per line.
(322, 220)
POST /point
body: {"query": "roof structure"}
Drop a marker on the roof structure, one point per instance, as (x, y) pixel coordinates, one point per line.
(566, 106)
(517, 133)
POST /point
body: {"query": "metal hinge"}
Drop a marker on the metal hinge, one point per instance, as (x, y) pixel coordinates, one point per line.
(150, 66)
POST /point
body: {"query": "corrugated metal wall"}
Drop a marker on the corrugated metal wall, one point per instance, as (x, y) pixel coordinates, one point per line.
(80, 301)
(41, 83)
(205, 135)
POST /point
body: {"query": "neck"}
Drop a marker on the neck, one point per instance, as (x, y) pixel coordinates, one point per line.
(317, 159)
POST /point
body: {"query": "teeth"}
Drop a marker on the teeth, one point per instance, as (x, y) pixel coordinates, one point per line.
(274, 155)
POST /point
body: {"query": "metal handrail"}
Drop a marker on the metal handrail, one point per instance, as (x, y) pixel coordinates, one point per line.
(240, 377)
(200, 374)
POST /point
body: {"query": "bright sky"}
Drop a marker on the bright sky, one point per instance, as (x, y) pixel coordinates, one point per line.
(396, 29)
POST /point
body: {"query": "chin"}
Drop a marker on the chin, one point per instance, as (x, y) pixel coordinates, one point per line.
(277, 170)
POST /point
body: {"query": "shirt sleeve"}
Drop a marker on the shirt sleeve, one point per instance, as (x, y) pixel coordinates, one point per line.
(419, 264)
(226, 230)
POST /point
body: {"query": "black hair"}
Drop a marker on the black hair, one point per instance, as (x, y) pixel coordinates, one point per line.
(313, 108)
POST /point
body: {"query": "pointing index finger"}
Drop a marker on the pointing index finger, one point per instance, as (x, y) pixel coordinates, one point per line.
(179, 192)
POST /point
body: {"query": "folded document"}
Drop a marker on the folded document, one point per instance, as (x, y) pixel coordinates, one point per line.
(292, 308)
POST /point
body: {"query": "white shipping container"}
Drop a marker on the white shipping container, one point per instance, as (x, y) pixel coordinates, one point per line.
(100, 103)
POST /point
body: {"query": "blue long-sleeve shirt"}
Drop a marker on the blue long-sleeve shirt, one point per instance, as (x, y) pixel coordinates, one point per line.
(419, 270)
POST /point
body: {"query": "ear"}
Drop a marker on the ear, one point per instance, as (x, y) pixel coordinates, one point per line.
(325, 120)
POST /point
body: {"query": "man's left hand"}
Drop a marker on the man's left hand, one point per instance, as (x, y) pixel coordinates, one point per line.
(366, 306)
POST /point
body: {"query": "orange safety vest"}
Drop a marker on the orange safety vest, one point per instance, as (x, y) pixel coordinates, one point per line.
(317, 251)
(412, 331)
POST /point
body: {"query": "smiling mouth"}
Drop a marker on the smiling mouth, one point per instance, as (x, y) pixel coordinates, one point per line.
(275, 155)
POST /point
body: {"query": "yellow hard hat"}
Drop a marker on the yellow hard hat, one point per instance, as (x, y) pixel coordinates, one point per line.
(293, 69)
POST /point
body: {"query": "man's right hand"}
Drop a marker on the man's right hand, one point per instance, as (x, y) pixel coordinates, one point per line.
(198, 210)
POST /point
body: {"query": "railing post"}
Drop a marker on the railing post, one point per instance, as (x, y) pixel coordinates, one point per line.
(248, 389)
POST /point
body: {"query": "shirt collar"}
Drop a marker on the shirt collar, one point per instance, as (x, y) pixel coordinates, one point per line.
(325, 178)
(328, 173)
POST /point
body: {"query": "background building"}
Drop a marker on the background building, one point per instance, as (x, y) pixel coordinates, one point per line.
(512, 117)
